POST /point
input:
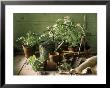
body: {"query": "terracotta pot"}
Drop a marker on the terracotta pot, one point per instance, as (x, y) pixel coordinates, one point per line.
(51, 66)
(28, 51)
(55, 57)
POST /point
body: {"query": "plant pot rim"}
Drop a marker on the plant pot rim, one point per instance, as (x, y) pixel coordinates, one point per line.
(54, 53)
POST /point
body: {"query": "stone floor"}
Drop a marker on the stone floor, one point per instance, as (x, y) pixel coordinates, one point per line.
(21, 67)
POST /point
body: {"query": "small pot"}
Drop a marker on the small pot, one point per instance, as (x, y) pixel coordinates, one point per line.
(55, 57)
(28, 51)
(50, 66)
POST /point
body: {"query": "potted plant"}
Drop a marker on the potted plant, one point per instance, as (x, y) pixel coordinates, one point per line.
(36, 63)
(47, 44)
(45, 48)
(68, 32)
(29, 43)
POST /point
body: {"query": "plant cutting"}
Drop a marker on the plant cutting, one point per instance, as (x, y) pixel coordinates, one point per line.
(29, 43)
(36, 63)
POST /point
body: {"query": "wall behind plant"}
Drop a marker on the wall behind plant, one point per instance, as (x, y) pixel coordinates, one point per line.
(37, 22)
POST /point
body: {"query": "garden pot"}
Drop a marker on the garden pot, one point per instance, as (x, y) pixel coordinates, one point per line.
(55, 57)
(45, 49)
(28, 51)
(51, 66)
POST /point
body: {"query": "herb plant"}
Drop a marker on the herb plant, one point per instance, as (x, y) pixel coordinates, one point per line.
(30, 39)
(36, 63)
(66, 30)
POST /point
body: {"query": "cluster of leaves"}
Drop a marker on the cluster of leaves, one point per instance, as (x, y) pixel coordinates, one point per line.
(64, 66)
(64, 30)
(36, 63)
(30, 39)
(46, 37)
(46, 40)
(68, 31)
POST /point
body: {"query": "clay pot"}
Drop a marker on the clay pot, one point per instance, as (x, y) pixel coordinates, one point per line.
(51, 66)
(55, 57)
(28, 51)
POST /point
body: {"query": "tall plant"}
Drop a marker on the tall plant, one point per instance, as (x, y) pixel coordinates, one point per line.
(66, 30)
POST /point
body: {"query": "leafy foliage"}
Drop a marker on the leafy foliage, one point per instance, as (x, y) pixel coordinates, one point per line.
(36, 63)
(64, 66)
(30, 39)
(66, 30)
